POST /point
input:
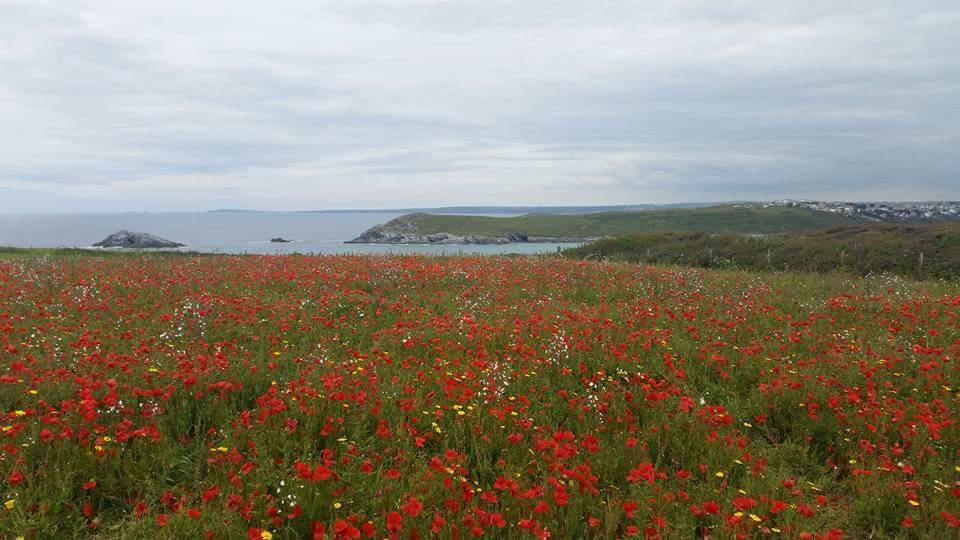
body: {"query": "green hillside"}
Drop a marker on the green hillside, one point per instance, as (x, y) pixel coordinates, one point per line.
(859, 249)
(738, 219)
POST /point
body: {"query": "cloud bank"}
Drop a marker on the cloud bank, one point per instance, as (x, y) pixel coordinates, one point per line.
(111, 105)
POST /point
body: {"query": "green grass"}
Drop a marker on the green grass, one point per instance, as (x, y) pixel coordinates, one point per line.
(858, 249)
(739, 219)
(7, 252)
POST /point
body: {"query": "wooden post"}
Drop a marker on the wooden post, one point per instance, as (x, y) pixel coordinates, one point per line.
(768, 256)
(920, 265)
(843, 255)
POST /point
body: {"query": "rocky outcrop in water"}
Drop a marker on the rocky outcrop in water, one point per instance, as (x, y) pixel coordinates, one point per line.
(127, 239)
(280, 240)
(405, 230)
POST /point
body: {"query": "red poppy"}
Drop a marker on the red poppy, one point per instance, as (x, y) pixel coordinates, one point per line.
(394, 522)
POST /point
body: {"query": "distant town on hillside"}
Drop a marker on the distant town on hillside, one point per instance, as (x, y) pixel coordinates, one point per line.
(882, 211)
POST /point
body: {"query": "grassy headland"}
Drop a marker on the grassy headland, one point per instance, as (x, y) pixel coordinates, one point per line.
(738, 219)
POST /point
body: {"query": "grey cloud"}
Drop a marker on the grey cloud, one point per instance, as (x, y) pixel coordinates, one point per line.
(476, 101)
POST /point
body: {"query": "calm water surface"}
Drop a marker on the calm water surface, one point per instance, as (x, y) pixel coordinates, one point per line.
(215, 232)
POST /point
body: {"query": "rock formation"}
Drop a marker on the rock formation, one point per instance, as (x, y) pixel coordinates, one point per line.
(127, 239)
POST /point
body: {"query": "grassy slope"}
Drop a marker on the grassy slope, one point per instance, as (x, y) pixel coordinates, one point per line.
(7, 252)
(719, 219)
(858, 249)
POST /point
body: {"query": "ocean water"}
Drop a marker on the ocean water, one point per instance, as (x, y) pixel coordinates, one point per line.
(229, 232)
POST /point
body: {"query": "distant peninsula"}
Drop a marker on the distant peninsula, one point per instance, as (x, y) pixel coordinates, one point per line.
(416, 229)
(423, 228)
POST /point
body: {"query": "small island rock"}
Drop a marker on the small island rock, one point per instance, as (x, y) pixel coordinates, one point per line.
(127, 239)
(280, 240)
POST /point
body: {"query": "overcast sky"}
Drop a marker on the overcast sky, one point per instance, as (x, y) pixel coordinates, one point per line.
(189, 105)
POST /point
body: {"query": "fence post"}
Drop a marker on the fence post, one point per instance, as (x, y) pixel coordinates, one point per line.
(920, 265)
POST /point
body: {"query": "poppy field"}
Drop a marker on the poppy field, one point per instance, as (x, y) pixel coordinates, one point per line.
(506, 397)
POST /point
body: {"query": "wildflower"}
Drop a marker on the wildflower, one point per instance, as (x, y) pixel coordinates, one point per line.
(645, 471)
(210, 494)
(14, 478)
(412, 507)
(394, 522)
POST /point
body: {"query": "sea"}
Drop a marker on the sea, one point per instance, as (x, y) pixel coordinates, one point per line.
(234, 232)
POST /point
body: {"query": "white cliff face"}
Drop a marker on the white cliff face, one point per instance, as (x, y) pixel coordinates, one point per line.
(127, 239)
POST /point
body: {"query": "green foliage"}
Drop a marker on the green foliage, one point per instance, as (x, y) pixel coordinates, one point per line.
(857, 249)
(7, 252)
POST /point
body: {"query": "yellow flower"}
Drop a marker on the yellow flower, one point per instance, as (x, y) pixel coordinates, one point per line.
(337, 505)
(719, 475)
(10, 504)
(913, 503)
(266, 535)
